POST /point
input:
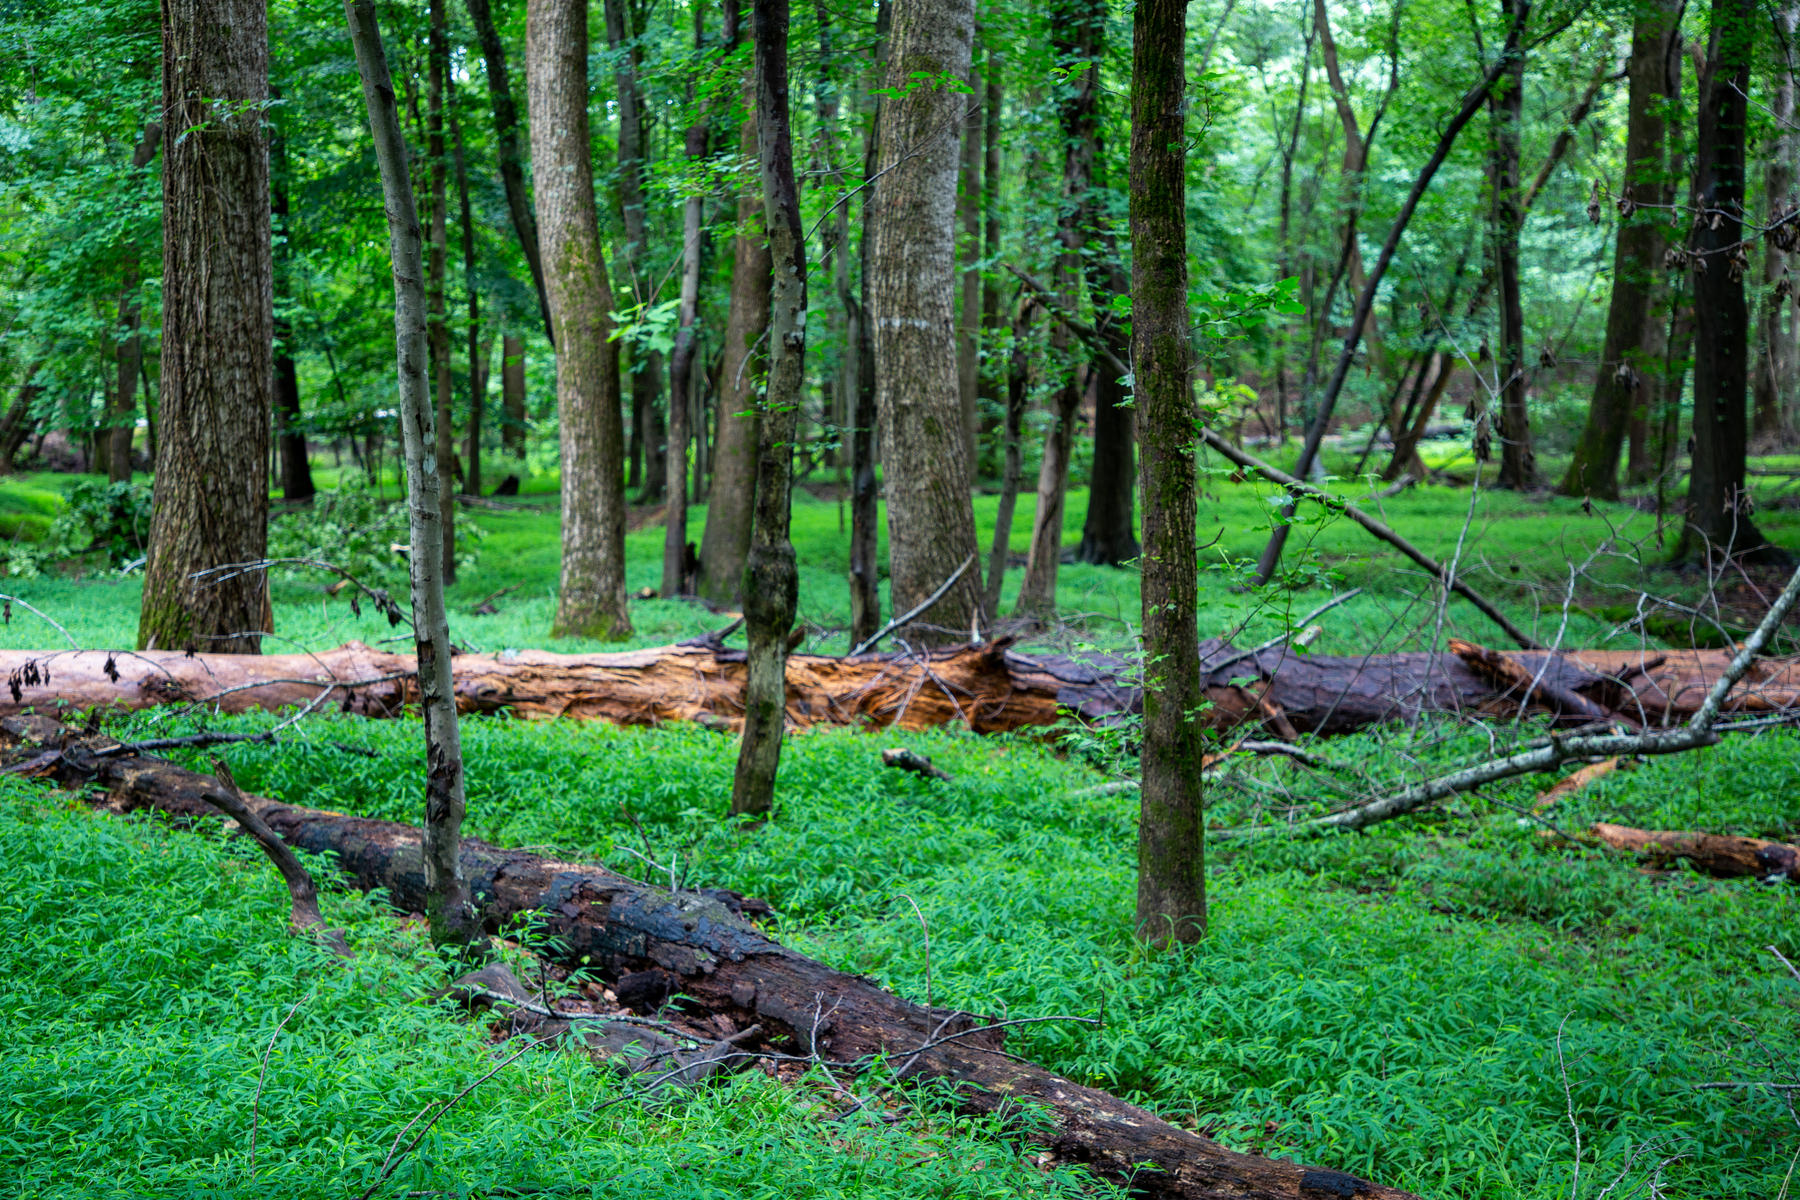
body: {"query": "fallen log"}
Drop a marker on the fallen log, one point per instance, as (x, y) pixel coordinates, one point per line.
(990, 688)
(1716, 854)
(718, 965)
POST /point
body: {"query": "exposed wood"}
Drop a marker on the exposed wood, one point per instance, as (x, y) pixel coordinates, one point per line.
(991, 688)
(1574, 783)
(729, 968)
(1716, 854)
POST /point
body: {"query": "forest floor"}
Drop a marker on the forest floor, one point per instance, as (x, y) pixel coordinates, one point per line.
(1451, 1004)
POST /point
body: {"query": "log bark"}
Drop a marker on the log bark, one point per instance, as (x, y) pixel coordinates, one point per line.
(988, 689)
(1716, 854)
(697, 945)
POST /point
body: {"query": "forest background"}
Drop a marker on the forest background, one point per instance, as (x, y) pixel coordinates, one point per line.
(1421, 1007)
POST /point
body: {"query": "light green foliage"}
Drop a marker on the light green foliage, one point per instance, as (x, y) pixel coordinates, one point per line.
(148, 970)
(99, 526)
(355, 530)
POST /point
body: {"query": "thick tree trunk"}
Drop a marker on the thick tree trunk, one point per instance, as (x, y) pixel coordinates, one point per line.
(506, 141)
(698, 944)
(212, 470)
(437, 84)
(1518, 462)
(731, 504)
(931, 519)
(1718, 523)
(1771, 380)
(1171, 899)
(1621, 382)
(986, 689)
(512, 396)
(446, 900)
(592, 436)
(771, 578)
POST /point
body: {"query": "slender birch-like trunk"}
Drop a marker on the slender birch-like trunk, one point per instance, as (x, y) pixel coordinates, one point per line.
(453, 918)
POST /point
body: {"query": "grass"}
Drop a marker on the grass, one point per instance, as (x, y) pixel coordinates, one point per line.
(1423, 1004)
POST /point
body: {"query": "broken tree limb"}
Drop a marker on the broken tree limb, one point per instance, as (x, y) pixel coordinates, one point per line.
(1437, 570)
(722, 966)
(1574, 783)
(302, 891)
(1716, 854)
(911, 760)
(992, 688)
(1696, 733)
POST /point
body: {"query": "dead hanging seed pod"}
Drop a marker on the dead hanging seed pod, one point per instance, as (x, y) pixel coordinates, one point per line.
(1674, 258)
(1739, 263)
(1626, 204)
(1593, 205)
(1625, 377)
(1718, 220)
(1699, 261)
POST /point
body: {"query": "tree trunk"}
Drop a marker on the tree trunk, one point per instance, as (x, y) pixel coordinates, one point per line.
(1171, 900)
(1771, 380)
(931, 519)
(865, 583)
(592, 441)
(438, 51)
(477, 353)
(512, 396)
(730, 510)
(1518, 462)
(446, 900)
(968, 339)
(700, 944)
(296, 471)
(1718, 523)
(771, 578)
(1109, 536)
(212, 470)
(1621, 381)
(1018, 398)
(506, 141)
(1351, 174)
(676, 580)
(16, 425)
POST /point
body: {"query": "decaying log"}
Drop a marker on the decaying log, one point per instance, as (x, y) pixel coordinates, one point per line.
(1577, 780)
(720, 965)
(991, 688)
(1716, 854)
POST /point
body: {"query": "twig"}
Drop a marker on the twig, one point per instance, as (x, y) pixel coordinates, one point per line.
(1562, 1069)
(927, 928)
(39, 614)
(256, 1104)
(1283, 639)
(305, 913)
(915, 610)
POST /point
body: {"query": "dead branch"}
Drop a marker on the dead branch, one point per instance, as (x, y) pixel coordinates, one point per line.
(910, 760)
(305, 917)
(1716, 854)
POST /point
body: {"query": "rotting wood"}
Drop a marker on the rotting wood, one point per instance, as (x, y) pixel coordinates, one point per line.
(1716, 854)
(720, 966)
(991, 688)
(1577, 780)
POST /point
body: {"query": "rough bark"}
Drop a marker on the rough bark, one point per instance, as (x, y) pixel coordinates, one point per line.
(771, 576)
(212, 469)
(675, 574)
(697, 944)
(506, 141)
(930, 516)
(1620, 383)
(1518, 461)
(592, 441)
(436, 86)
(1718, 523)
(1171, 899)
(447, 897)
(731, 503)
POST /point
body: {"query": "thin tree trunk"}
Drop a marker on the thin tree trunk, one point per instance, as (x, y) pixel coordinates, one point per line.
(771, 578)
(477, 353)
(592, 441)
(1018, 397)
(212, 470)
(437, 85)
(865, 584)
(1109, 535)
(16, 425)
(1354, 167)
(296, 472)
(1772, 377)
(453, 918)
(1718, 520)
(1518, 462)
(725, 545)
(1171, 899)
(995, 375)
(506, 141)
(129, 352)
(512, 396)
(675, 575)
(931, 520)
(1620, 382)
